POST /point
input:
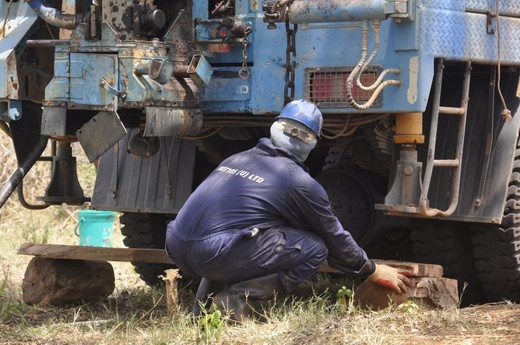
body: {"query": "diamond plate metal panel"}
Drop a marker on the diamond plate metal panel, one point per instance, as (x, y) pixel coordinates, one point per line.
(453, 5)
(463, 36)
(506, 7)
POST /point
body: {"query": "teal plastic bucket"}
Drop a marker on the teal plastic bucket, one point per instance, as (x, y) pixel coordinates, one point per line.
(95, 228)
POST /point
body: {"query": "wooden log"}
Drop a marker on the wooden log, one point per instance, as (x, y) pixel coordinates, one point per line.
(60, 282)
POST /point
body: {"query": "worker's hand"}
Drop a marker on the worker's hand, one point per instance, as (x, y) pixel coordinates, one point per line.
(391, 278)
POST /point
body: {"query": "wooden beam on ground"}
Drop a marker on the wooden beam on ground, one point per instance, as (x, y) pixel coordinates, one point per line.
(158, 256)
(57, 251)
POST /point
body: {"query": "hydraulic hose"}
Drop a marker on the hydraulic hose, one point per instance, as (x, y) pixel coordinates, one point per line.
(55, 17)
(376, 25)
(363, 63)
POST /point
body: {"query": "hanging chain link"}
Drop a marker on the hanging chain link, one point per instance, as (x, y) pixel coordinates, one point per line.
(290, 66)
(244, 72)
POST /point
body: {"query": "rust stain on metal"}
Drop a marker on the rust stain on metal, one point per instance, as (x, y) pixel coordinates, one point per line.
(67, 8)
(11, 77)
(111, 81)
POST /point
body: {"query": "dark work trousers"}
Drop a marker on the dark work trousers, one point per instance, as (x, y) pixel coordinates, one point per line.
(237, 255)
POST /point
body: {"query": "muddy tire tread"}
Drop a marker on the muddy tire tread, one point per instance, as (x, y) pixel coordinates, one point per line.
(143, 230)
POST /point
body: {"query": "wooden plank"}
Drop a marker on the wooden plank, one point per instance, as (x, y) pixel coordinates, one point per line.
(158, 256)
(140, 255)
(56, 251)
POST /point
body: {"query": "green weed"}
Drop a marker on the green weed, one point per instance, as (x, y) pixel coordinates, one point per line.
(409, 307)
(211, 325)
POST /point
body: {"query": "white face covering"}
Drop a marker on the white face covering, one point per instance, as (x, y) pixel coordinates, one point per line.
(294, 137)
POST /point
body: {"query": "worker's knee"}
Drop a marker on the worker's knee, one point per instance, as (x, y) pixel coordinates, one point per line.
(319, 254)
(305, 247)
(310, 244)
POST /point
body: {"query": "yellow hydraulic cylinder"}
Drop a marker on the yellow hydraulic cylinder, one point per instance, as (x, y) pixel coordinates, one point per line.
(408, 128)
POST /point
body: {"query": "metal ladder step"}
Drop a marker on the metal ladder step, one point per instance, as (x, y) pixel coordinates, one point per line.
(455, 163)
(446, 162)
(452, 110)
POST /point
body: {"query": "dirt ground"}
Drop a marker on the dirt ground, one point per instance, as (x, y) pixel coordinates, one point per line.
(485, 324)
(138, 308)
(136, 313)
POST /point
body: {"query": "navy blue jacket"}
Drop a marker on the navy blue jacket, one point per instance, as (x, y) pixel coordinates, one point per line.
(265, 187)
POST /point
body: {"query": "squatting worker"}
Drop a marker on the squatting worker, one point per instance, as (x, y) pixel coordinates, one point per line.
(261, 223)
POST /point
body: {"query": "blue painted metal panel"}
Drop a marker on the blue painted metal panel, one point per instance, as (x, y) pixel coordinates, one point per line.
(321, 45)
(86, 73)
(451, 29)
(58, 89)
(225, 86)
(440, 28)
(17, 20)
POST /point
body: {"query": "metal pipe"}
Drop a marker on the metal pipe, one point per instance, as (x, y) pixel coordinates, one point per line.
(423, 200)
(327, 11)
(55, 17)
(24, 202)
(22, 170)
(45, 43)
(5, 128)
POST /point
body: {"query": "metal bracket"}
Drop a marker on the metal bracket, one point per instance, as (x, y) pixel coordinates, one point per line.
(396, 7)
(398, 10)
(100, 133)
(492, 15)
(12, 112)
(112, 90)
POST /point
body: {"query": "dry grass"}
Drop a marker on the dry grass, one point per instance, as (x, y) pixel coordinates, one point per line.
(137, 314)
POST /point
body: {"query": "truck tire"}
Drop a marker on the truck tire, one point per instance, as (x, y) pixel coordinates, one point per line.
(449, 245)
(496, 259)
(496, 249)
(146, 230)
(352, 197)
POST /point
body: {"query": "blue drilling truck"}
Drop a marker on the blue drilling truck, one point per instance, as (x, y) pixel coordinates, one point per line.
(420, 152)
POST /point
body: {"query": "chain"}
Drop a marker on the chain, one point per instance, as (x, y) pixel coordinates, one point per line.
(290, 66)
(244, 72)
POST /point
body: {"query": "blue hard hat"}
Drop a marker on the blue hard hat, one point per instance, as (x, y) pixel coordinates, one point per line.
(304, 112)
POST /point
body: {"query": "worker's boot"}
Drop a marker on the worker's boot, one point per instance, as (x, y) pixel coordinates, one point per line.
(234, 299)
